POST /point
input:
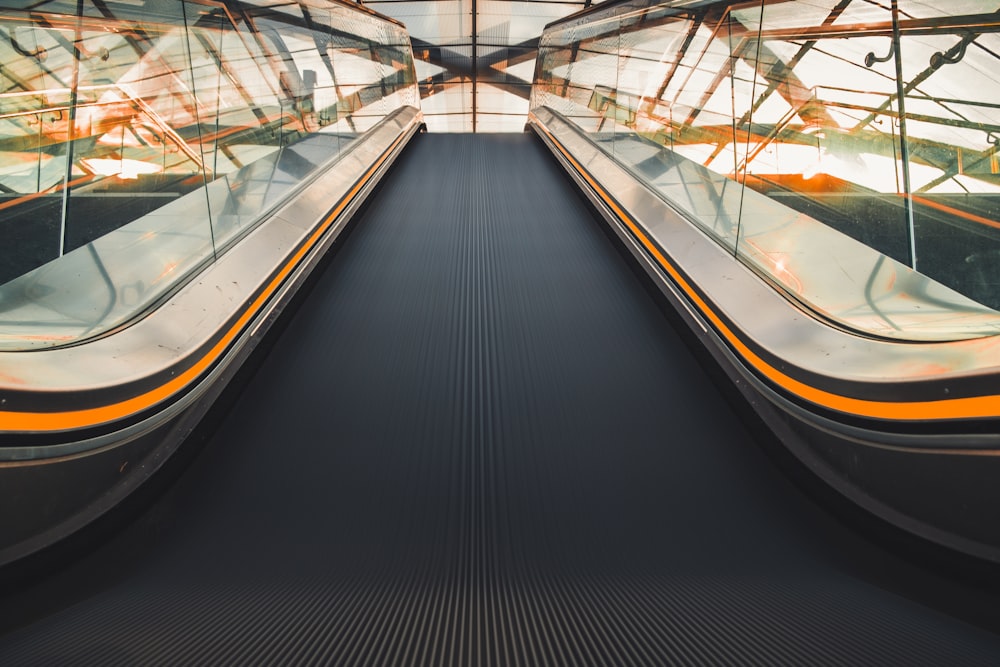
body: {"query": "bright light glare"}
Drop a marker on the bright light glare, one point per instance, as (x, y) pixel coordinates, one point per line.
(123, 168)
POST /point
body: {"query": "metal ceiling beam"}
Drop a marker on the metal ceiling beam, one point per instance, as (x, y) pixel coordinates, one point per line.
(456, 69)
(475, 68)
(905, 89)
(443, 80)
(943, 25)
(486, 64)
(524, 51)
(777, 73)
(696, 23)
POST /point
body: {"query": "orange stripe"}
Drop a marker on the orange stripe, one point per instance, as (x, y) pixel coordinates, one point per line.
(955, 408)
(956, 212)
(57, 421)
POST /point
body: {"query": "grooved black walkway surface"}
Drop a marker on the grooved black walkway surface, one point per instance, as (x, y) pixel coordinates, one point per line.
(479, 443)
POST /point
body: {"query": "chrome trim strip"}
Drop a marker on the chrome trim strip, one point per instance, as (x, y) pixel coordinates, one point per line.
(192, 318)
(892, 381)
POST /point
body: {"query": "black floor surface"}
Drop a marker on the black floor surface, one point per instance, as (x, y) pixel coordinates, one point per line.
(479, 442)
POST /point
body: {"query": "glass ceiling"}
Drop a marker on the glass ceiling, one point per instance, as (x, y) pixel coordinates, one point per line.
(475, 58)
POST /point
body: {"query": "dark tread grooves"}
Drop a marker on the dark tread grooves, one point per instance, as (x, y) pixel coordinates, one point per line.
(480, 443)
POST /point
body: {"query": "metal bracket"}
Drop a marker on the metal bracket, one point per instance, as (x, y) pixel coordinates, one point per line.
(951, 56)
(871, 58)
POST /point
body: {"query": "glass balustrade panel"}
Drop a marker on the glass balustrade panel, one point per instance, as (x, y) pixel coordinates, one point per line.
(139, 140)
(844, 150)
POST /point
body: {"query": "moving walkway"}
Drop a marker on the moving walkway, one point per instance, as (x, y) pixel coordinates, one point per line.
(475, 437)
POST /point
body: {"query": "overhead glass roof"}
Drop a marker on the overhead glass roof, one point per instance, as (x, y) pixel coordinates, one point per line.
(475, 58)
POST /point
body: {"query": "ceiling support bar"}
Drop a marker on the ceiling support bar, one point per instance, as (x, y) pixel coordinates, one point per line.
(475, 64)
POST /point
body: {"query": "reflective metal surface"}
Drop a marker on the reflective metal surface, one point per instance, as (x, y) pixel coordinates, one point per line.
(844, 150)
(140, 139)
(164, 353)
(840, 370)
(907, 431)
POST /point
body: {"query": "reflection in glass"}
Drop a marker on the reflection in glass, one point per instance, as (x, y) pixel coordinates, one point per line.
(138, 140)
(761, 120)
(467, 50)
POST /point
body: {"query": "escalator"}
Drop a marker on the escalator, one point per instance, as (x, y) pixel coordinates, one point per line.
(478, 441)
